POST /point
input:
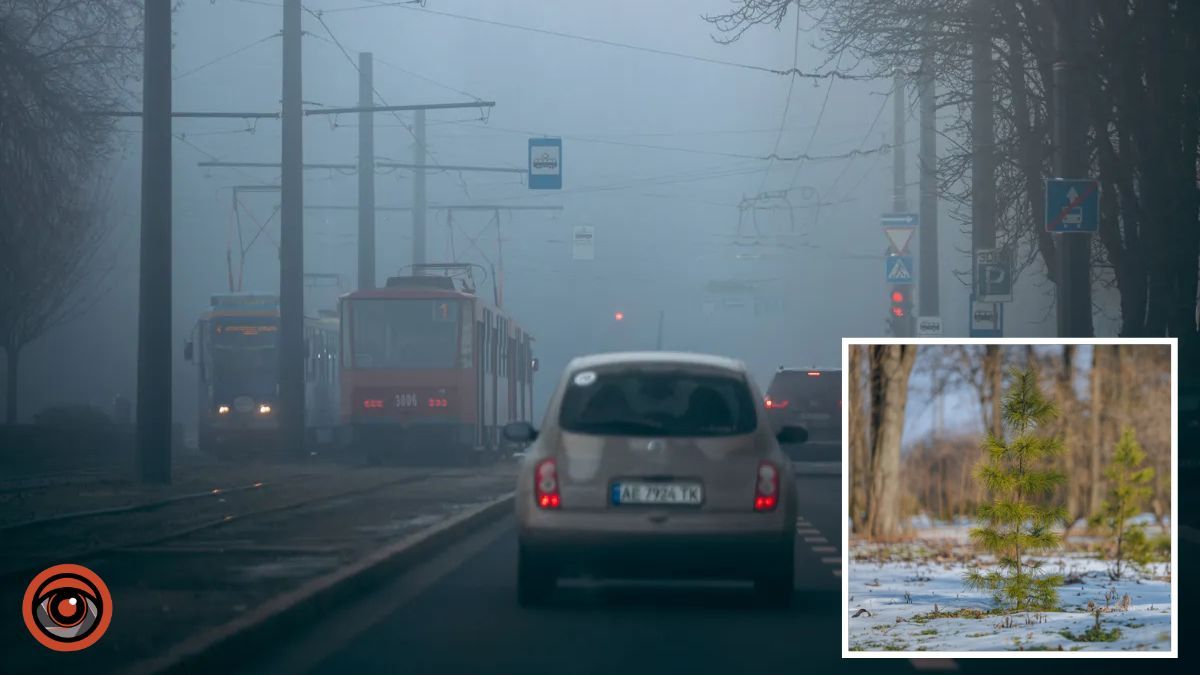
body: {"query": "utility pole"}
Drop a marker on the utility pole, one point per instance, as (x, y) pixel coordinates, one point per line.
(983, 137)
(901, 325)
(291, 240)
(366, 173)
(154, 283)
(927, 297)
(1072, 250)
(418, 253)
(659, 342)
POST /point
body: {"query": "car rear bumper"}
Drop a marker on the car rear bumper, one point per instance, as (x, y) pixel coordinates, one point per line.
(658, 556)
(704, 545)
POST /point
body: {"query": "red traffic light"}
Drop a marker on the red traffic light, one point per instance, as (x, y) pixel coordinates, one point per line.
(619, 316)
(898, 312)
(897, 296)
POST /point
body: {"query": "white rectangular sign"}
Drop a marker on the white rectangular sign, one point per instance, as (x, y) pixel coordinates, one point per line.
(929, 326)
(984, 316)
(584, 243)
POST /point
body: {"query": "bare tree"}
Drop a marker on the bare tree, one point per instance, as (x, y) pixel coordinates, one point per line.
(1143, 93)
(858, 440)
(890, 367)
(61, 61)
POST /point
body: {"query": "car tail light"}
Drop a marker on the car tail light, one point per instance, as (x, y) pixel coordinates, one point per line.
(814, 373)
(776, 405)
(766, 487)
(545, 485)
(373, 403)
(439, 403)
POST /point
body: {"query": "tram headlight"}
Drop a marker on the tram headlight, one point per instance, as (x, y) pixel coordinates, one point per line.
(264, 409)
(222, 409)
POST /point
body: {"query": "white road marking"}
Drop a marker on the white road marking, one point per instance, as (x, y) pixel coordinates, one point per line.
(816, 540)
(832, 561)
(807, 530)
(837, 573)
(825, 549)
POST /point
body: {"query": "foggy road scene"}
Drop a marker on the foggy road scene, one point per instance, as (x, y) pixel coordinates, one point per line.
(508, 335)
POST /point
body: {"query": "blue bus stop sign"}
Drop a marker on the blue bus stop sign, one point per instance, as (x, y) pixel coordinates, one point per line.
(545, 164)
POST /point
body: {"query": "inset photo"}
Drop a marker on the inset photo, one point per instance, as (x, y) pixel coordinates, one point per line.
(1006, 497)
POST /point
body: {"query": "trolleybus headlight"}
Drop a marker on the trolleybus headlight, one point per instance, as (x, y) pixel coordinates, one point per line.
(264, 409)
(222, 409)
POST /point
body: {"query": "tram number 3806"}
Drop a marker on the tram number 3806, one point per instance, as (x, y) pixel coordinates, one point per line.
(406, 401)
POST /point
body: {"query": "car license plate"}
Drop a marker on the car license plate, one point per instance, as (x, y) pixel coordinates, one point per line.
(631, 492)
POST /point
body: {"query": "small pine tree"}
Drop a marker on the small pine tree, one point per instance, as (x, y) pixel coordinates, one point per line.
(1015, 523)
(1129, 489)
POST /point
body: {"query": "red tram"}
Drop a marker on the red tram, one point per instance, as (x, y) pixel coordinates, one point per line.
(430, 368)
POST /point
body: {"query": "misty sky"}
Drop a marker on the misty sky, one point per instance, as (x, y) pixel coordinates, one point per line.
(654, 154)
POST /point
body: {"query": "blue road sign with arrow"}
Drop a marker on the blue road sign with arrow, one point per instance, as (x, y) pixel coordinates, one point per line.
(1072, 205)
(899, 220)
(898, 269)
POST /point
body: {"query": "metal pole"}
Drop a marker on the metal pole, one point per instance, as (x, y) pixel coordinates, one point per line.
(1072, 251)
(366, 174)
(983, 138)
(419, 191)
(928, 233)
(291, 240)
(901, 326)
(500, 259)
(154, 283)
(658, 344)
(899, 198)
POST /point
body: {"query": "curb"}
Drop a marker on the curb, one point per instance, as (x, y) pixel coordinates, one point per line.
(223, 647)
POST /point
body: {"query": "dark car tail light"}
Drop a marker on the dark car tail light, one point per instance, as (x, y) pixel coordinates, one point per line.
(766, 487)
(545, 485)
(773, 404)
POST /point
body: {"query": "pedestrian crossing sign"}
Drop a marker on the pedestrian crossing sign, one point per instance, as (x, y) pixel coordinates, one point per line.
(899, 269)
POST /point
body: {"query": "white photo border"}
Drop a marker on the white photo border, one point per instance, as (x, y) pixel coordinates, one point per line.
(917, 656)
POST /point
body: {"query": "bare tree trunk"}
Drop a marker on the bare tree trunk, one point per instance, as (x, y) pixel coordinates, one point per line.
(890, 368)
(858, 440)
(1097, 404)
(993, 374)
(1066, 394)
(13, 352)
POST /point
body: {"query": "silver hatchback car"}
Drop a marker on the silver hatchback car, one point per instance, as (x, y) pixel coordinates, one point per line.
(655, 465)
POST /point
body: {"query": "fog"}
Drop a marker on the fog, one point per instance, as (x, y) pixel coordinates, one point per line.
(658, 151)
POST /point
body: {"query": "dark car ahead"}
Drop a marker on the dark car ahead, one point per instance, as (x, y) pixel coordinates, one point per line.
(811, 398)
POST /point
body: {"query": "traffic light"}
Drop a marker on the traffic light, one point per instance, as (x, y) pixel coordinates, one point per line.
(899, 303)
(619, 316)
(900, 314)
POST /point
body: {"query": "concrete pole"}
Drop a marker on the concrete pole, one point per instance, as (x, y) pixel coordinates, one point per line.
(418, 214)
(291, 240)
(366, 173)
(154, 283)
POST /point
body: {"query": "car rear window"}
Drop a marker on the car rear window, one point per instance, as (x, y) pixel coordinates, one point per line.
(657, 403)
(801, 390)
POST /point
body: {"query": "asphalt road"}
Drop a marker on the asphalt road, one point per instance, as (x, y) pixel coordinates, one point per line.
(457, 613)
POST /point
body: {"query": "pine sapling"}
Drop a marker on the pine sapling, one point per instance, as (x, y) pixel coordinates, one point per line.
(1129, 488)
(1016, 523)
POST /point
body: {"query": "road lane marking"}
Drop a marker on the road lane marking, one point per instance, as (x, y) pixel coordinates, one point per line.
(816, 540)
(832, 561)
(837, 573)
(825, 549)
(807, 530)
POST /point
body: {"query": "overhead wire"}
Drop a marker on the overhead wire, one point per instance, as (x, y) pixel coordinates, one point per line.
(793, 71)
(235, 52)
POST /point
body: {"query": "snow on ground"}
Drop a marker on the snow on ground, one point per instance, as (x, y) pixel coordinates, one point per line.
(902, 585)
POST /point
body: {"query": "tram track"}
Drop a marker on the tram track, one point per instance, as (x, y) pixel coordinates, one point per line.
(29, 547)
